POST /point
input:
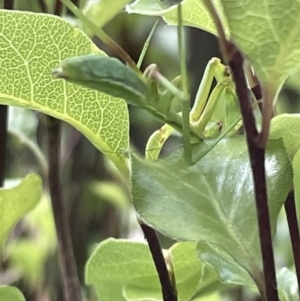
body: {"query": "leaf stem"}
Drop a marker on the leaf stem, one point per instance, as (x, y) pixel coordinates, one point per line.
(291, 214)
(71, 285)
(168, 291)
(117, 49)
(257, 156)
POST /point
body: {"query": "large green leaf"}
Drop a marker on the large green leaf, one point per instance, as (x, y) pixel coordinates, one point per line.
(124, 270)
(268, 33)
(10, 293)
(194, 12)
(33, 45)
(15, 202)
(212, 200)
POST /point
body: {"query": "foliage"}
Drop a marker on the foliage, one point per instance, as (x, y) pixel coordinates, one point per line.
(208, 206)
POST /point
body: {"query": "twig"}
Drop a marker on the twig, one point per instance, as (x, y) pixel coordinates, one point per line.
(58, 8)
(43, 6)
(290, 209)
(8, 4)
(3, 142)
(168, 292)
(257, 156)
(71, 285)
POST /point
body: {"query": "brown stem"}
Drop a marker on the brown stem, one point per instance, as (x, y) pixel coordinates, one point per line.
(58, 8)
(257, 160)
(43, 6)
(256, 153)
(3, 142)
(291, 214)
(71, 285)
(8, 4)
(168, 291)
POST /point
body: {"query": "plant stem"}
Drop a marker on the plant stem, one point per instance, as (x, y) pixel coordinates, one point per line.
(71, 285)
(185, 105)
(8, 4)
(257, 155)
(291, 214)
(146, 45)
(168, 291)
(43, 6)
(3, 142)
(257, 159)
(58, 8)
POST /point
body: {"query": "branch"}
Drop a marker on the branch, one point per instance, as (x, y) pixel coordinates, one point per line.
(168, 291)
(257, 155)
(8, 4)
(71, 285)
(58, 8)
(43, 6)
(290, 209)
(3, 142)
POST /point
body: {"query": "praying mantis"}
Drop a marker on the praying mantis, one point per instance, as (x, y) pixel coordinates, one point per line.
(213, 115)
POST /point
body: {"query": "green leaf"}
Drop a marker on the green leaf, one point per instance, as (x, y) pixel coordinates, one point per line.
(102, 11)
(32, 50)
(17, 201)
(227, 269)
(287, 127)
(119, 266)
(194, 13)
(213, 196)
(191, 274)
(268, 33)
(124, 270)
(104, 74)
(10, 293)
(287, 285)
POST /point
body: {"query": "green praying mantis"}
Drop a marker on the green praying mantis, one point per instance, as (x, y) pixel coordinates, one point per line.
(214, 114)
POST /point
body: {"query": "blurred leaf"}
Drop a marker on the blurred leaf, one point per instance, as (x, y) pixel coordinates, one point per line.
(102, 11)
(9, 293)
(28, 255)
(111, 192)
(191, 203)
(194, 12)
(227, 269)
(32, 50)
(287, 127)
(17, 201)
(287, 285)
